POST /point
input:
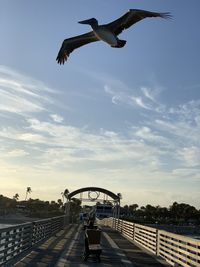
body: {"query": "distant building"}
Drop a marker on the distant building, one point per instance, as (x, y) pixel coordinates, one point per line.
(104, 210)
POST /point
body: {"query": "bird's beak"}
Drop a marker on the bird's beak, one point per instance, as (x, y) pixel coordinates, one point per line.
(87, 21)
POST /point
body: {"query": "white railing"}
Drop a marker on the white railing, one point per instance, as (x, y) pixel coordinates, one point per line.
(16, 239)
(177, 250)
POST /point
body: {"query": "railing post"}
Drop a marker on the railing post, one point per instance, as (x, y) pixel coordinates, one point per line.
(157, 242)
(113, 223)
(133, 231)
(31, 235)
(122, 225)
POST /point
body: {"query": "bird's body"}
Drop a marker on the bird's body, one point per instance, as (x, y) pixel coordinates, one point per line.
(107, 36)
(107, 32)
(103, 33)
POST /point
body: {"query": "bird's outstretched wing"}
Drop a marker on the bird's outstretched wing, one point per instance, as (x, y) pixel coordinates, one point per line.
(131, 17)
(70, 44)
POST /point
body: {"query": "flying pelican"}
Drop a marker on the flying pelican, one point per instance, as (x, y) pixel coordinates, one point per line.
(107, 32)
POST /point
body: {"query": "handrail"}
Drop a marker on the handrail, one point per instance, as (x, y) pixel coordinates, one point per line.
(18, 238)
(177, 250)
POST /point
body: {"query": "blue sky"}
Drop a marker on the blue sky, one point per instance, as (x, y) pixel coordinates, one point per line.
(127, 120)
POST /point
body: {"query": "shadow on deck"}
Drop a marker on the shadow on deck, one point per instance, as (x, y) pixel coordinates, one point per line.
(66, 249)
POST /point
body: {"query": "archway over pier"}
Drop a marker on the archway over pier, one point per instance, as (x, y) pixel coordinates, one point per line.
(97, 194)
(94, 193)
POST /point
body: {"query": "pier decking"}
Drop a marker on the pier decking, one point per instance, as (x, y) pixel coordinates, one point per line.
(65, 249)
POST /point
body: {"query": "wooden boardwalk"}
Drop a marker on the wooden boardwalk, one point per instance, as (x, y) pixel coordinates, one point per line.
(65, 249)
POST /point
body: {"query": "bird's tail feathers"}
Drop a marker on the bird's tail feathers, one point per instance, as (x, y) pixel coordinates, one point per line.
(120, 43)
(166, 15)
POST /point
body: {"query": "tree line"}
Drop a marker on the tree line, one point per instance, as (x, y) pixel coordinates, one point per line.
(177, 213)
(35, 207)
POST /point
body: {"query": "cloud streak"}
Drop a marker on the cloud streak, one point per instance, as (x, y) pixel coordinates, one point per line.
(21, 94)
(141, 98)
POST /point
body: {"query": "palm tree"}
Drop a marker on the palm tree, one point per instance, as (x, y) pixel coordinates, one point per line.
(28, 191)
(119, 195)
(63, 196)
(16, 197)
(66, 192)
(60, 203)
(132, 208)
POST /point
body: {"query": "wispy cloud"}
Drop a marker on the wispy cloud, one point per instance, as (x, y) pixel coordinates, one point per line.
(17, 153)
(140, 102)
(142, 97)
(190, 156)
(149, 135)
(21, 94)
(152, 142)
(71, 144)
(57, 118)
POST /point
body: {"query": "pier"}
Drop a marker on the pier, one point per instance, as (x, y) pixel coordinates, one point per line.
(55, 243)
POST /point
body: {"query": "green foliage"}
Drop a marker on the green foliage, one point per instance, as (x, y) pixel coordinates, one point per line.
(6, 204)
(42, 209)
(28, 191)
(75, 205)
(31, 208)
(176, 214)
(16, 197)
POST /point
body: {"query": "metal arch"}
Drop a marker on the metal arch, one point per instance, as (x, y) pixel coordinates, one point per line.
(102, 190)
(92, 198)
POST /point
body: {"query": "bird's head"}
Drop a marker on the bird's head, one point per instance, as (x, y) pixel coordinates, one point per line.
(92, 22)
